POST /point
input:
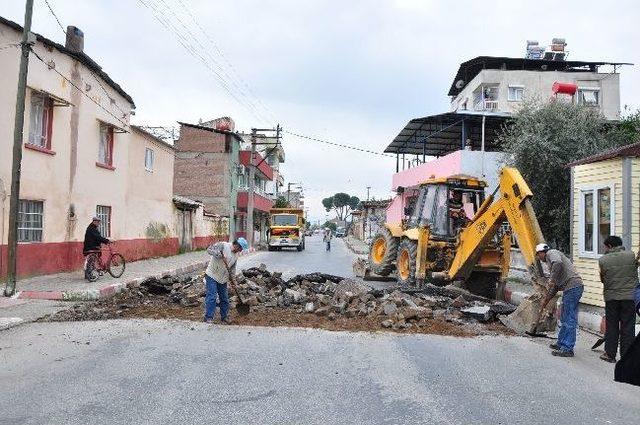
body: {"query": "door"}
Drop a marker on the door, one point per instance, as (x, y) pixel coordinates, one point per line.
(185, 236)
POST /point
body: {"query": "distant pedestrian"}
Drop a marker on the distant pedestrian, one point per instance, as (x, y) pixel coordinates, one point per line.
(220, 272)
(565, 278)
(619, 277)
(328, 235)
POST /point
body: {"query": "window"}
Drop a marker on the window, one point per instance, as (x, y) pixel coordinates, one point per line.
(596, 219)
(589, 97)
(516, 93)
(40, 120)
(30, 214)
(105, 149)
(441, 217)
(104, 214)
(148, 159)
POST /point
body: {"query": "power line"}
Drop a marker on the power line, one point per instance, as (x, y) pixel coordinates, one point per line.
(355, 148)
(78, 88)
(55, 16)
(224, 57)
(165, 22)
(95, 77)
(219, 66)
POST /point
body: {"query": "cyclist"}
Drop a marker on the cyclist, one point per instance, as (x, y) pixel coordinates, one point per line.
(92, 241)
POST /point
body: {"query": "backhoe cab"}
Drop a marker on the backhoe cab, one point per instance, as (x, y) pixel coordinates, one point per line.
(423, 246)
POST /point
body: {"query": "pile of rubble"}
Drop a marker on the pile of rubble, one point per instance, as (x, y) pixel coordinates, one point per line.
(325, 296)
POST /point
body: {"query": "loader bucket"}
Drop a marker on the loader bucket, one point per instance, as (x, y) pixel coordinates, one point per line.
(526, 319)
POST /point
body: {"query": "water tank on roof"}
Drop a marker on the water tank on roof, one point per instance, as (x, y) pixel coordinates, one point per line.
(564, 88)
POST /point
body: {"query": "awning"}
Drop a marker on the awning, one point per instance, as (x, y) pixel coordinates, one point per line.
(438, 135)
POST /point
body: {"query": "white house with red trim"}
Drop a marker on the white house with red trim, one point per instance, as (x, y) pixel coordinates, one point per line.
(81, 158)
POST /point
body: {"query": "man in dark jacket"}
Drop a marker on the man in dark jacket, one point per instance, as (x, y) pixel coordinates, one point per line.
(619, 276)
(92, 237)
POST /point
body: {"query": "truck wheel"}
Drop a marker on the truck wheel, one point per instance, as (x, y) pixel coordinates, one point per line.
(482, 283)
(383, 252)
(299, 247)
(406, 263)
(270, 248)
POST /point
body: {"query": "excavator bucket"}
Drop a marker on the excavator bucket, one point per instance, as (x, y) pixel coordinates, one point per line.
(527, 318)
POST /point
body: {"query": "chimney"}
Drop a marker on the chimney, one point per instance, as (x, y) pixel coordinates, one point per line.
(75, 39)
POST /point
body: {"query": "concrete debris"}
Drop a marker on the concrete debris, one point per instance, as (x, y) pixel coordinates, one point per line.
(316, 294)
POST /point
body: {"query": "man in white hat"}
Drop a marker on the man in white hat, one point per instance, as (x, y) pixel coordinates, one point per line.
(563, 277)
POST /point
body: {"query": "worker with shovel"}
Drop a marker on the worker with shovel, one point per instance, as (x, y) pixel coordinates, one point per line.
(219, 273)
(565, 278)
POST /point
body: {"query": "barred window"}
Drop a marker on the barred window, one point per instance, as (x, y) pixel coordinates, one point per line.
(30, 214)
(103, 212)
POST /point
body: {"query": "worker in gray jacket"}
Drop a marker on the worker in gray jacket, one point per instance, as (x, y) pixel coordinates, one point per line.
(619, 277)
(220, 272)
(565, 278)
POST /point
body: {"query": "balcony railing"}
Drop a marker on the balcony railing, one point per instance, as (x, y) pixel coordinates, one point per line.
(486, 105)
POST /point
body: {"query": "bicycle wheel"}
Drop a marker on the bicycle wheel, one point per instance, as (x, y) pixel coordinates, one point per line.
(91, 273)
(116, 265)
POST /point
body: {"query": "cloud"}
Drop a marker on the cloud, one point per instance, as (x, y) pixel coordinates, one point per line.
(350, 72)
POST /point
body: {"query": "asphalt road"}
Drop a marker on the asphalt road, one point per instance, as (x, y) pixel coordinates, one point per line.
(161, 372)
(173, 372)
(315, 258)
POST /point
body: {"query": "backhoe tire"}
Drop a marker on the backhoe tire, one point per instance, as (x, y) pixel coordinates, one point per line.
(382, 252)
(406, 263)
(482, 283)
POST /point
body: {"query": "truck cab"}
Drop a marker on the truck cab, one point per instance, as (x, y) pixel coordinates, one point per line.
(286, 229)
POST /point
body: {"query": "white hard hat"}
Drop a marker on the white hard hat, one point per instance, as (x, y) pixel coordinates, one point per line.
(542, 247)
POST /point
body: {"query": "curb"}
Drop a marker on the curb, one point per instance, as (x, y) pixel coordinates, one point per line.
(352, 249)
(106, 291)
(590, 322)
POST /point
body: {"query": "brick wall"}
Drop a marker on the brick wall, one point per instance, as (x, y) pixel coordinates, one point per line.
(201, 168)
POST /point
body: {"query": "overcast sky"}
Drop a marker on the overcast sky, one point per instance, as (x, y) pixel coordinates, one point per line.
(351, 72)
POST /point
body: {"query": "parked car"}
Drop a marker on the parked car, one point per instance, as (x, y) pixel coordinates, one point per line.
(341, 232)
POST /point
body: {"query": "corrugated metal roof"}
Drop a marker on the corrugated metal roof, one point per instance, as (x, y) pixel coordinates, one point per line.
(437, 135)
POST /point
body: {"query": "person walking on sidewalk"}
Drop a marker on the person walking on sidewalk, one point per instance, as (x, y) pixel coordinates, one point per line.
(92, 241)
(619, 277)
(221, 271)
(565, 278)
(328, 235)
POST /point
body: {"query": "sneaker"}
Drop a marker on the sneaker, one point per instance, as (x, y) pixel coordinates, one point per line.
(554, 346)
(207, 320)
(607, 358)
(225, 321)
(561, 353)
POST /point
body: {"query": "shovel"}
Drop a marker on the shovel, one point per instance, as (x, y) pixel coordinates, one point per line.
(241, 306)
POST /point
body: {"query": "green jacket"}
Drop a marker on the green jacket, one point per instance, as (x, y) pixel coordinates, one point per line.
(619, 274)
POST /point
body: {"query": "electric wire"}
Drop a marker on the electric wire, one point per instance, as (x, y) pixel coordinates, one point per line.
(355, 148)
(78, 88)
(95, 77)
(230, 80)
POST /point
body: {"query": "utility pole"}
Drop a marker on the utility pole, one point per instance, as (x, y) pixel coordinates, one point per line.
(252, 188)
(368, 188)
(27, 41)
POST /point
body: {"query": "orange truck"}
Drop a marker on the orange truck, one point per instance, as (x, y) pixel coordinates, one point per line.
(286, 228)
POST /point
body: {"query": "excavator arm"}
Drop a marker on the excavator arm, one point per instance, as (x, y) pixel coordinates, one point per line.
(514, 206)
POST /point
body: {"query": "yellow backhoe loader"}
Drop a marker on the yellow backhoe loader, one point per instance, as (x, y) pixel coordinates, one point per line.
(452, 234)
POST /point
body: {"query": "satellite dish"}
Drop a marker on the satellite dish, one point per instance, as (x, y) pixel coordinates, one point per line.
(459, 84)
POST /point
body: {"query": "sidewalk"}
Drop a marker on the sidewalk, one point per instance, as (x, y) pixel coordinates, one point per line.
(356, 245)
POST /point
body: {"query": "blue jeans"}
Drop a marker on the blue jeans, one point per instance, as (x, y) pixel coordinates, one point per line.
(328, 245)
(215, 290)
(569, 318)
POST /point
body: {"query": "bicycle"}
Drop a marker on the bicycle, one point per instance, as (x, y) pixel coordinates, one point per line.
(97, 264)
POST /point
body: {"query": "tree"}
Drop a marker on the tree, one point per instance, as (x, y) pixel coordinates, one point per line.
(342, 204)
(541, 140)
(331, 225)
(281, 202)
